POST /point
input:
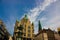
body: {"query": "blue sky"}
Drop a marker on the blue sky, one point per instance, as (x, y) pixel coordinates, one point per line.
(47, 11)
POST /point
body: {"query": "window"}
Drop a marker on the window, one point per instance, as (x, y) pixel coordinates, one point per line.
(25, 25)
(28, 35)
(24, 34)
(29, 31)
(0, 35)
(19, 39)
(28, 27)
(21, 27)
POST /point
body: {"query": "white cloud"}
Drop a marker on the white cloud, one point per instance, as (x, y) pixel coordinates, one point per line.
(35, 12)
(54, 20)
(43, 19)
(53, 23)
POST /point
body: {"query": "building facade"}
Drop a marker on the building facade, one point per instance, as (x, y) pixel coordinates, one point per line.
(24, 29)
(45, 34)
(4, 35)
(57, 36)
(58, 30)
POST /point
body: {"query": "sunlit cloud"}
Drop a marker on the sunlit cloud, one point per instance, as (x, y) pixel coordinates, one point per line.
(47, 11)
(35, 12)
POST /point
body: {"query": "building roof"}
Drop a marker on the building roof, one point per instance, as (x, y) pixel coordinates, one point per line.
(43, 31)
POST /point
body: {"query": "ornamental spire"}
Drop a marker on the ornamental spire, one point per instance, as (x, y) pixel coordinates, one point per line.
(40, 27)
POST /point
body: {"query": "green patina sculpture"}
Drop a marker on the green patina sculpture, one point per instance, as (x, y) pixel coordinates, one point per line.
(17, 21)
(26, 17)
